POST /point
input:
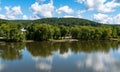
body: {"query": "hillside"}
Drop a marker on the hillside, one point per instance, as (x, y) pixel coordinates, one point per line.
(67, 21)
(59, 21)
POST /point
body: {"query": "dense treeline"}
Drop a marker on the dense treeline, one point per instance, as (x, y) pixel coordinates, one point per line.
(46, 32)
(40, 30)
(12, 32)
(93, 33)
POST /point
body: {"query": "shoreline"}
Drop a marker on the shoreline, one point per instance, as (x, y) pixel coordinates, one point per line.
(65, 40)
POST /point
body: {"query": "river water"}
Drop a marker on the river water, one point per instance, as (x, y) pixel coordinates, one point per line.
(84, 56)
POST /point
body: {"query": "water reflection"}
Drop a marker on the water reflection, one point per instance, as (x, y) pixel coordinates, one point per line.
(45, 49)
(65, 55)
(11, 51)
(99, 63)
(60, 57)
(1, 66)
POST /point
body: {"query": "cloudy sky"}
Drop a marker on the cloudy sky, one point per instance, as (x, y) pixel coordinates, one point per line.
(104, 11)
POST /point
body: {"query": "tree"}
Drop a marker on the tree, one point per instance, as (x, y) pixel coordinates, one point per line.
(76, 32)
(44, 32)
(11, 32)
(64, 31)
(57, 33)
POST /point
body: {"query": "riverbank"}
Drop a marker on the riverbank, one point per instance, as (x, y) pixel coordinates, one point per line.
(64, 40)
(115, 39)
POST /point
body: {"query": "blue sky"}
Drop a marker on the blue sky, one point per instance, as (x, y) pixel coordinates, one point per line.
(104, 11)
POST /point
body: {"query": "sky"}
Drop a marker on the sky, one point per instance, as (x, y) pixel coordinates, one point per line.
(103, 11)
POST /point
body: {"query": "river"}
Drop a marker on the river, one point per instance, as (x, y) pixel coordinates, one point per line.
(84, 56)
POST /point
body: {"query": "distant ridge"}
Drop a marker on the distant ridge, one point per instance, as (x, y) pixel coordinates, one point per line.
(59, 21)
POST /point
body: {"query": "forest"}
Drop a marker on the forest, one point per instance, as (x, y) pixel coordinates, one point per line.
(56, 29)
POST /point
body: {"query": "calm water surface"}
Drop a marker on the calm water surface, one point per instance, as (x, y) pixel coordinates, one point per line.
(60, 57)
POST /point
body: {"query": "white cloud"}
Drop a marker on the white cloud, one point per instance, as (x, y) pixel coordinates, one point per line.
(16, 10)
(100, 5)
(2, 16)
(25, 17)
(80, 12)
(34, 17)
(11, 17)
(94, 4)
(103, 18)
(12, 12)
(65, 9)
(68, 16)
(108, 7)
(43, 10)
(116, 19)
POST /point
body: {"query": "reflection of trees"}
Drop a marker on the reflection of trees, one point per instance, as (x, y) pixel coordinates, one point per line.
(40, 48)
(47, 48)
(64, 47)
(91, 46)
(11, 51)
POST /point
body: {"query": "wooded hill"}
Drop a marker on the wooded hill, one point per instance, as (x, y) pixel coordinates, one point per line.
(58, 21)
(57, 28)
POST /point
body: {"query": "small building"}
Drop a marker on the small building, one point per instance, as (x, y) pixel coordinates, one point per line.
(23, 30)
(1, 37)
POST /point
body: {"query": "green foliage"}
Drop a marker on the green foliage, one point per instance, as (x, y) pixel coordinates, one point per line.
(93, 33)
(11, 32)
(64, 31)
(30, 34)
(57, 28)
(56, 21)
(57, 32)
(44, 32)
(67, 21)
